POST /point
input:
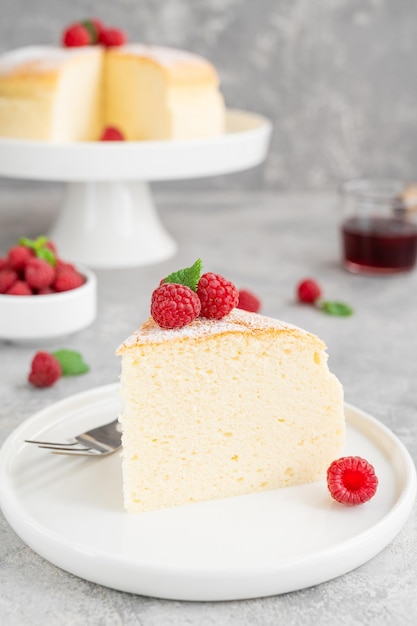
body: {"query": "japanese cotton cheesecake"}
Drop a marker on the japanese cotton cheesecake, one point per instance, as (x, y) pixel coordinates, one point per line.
(222, 408)
(71, 94)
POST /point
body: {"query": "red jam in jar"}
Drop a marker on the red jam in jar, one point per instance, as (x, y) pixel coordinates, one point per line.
(379, 245)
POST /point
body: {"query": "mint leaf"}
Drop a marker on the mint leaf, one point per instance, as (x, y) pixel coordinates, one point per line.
(24, 241)
(188, 276)
(47, 255)
(92, 31)
(34, 244)
(40, 248)
(72, 363)
(339, 309)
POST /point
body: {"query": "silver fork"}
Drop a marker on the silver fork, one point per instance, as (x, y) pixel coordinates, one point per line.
(99, 441)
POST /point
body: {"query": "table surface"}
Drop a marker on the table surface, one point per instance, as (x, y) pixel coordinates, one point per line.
(266, 243)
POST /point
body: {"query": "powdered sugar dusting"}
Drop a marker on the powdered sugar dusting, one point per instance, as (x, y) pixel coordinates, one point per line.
(236, 322)
(167, 57)
(41, 58)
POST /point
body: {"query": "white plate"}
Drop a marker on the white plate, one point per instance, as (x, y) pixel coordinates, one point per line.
(69, 510)
(243, 145)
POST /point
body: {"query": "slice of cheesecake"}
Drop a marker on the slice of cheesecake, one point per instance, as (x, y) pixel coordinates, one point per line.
(222, 408)
(156, 93)
(51, 94)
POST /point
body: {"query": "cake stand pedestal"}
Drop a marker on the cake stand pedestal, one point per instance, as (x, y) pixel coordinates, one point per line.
(108, 218)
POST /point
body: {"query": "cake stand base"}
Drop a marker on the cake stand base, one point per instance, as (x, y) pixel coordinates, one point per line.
(111, 222)
(110, 225)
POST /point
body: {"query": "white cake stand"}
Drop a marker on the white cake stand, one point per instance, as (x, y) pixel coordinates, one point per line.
(108, 218)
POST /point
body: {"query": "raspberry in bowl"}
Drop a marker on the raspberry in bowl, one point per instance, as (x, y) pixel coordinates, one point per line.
(41, 295)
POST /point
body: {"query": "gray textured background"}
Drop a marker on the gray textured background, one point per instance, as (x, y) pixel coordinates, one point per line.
(336, 77)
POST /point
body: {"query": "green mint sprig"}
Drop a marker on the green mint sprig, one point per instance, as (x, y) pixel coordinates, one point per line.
(337, 309)
(72, 363)
(92, 31)
(39, 248)
(188, 276)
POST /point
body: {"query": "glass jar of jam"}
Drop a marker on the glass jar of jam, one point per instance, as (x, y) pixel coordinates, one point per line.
(379, 229)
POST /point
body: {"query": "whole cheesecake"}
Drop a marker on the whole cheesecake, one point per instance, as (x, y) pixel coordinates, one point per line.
(223, 408)
(71, 94)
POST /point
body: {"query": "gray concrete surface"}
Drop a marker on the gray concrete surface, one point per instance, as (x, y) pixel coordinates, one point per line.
(265, 242)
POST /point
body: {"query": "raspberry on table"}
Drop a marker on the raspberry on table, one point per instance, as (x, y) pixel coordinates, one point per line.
(111, 133)
(218, 296)
(112, 37)
(351, 480)
(39, 273)
(308, 291)
(76, 36)
(18, 257)
(45, 370)
(19, 288)
(7, 278)
(67, 279)
(248, 301)
(174, 305)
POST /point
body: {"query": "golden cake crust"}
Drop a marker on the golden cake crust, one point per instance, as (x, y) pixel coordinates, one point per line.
(238, 322)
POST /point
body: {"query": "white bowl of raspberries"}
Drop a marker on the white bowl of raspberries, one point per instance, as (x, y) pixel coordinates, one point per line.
(41, 295)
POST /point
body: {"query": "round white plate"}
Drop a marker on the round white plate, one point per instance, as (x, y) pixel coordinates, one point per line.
(242, 146)
(69, 510)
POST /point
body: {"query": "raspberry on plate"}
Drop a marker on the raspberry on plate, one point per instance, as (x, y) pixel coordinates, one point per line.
(45, 370)
(218, 296)
(248, 301)
(174, 305)
(351, 480)
(308, 291)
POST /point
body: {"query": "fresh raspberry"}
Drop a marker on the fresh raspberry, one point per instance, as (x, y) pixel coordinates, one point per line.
(50, 244)
(4, 264)
(45, 370)
(248, 301)
(110, 133)
(351, 480)
(45, 291)
(308, 291)
(174, 305)
(19, 288)
(218, 296)
(64, 265)
(39, 273)
(76, 36)
(95, 28)
(66, 280)
(18, 257)
(7, 278)
(112, 37)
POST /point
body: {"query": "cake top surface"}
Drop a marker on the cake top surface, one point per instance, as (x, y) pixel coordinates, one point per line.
(40, 58)
(46, 58)
(168, 57)
(238, 321)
